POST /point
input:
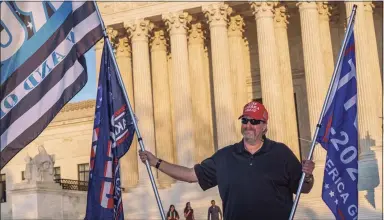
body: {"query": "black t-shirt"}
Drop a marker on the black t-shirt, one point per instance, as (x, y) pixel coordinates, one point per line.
(258, 186)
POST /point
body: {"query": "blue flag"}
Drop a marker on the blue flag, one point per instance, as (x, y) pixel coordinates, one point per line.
(339, 136)
(112, 136)
(42, 65)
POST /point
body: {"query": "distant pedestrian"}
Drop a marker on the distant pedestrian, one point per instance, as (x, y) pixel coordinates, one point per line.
(172, 213)
(188, 212)
(214, 211)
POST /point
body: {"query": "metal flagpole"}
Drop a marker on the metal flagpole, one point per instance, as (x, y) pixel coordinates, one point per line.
(140, 139)
(347, 33)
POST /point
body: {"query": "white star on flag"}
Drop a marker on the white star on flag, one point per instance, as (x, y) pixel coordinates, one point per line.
(331, 193)
(337, 201)
(29, 25)
(326, 186)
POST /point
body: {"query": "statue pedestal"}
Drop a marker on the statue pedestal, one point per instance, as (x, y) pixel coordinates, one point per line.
(37, 200)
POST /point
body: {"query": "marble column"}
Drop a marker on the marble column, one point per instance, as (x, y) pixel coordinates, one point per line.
(182, 99)
(270, 76)
(171, 92)
(201, 102)
(162, 103)
(325, 38)
(369, 96)
(314, 67)
(236, 56)
(129, 165)
(247, 67)
(374, 58)
(225, 117)
(138, 31)
(281, 21)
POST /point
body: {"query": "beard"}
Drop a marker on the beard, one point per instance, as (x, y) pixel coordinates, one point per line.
(250, 135)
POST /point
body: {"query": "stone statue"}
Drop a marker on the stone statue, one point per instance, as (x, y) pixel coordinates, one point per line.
(40, 168)
(28, 168)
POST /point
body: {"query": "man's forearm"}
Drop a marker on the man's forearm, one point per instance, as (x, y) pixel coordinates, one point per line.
(178, 172)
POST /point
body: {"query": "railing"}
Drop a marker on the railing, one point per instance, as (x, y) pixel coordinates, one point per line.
(73, 184)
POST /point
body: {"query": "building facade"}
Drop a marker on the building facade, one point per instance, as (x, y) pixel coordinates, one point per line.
(190, 67)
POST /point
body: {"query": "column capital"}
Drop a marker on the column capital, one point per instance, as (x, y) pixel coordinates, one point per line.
(196, 33)
(369, 6)
(324, 9)
(158, 41)
(263, 9)
(122, 47)
(236, 26)
(306, 5)
(139, 30)
(177, 22)
(281, 15)
(112, 35)
(217, 14)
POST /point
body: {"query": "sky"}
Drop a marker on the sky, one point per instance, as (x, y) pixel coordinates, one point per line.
(89, 90)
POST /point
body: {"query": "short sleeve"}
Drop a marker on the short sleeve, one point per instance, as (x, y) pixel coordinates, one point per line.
(293, 171)
(206, 173)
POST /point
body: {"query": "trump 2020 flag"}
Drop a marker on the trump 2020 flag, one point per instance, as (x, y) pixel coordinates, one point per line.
(339, 136)
(112, 136)
(42, 65)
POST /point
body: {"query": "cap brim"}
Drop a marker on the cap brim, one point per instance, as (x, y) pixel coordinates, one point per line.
(262, 119)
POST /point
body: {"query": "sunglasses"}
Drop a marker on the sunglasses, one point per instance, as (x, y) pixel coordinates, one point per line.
(253, 121)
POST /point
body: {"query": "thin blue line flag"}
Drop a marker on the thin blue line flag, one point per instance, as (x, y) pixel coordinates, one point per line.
(42, 65)
(339, 137)
(112, 136)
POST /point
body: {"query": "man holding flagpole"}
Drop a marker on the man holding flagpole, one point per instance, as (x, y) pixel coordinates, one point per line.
(256, 177)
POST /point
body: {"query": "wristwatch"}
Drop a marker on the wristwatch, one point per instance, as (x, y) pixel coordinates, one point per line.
(308, 178)
(158, 163)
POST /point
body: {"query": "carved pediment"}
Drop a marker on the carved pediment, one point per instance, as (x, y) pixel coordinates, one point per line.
(114, 7)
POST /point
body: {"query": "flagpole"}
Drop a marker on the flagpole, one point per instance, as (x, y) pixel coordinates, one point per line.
(140, 139)
(350, 23)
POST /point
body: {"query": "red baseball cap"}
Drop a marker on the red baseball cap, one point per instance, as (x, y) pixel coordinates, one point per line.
(256, 111)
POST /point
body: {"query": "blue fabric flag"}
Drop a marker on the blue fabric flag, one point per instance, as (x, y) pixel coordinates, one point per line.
(339, 136)
(112, 136)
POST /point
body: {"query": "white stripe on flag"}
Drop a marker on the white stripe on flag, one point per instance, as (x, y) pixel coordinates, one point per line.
(122, 135)
(76, 5)
(347, 77)
(64, 48)
(41, 107)
(351, 102)
(119, 116)
(86, 26)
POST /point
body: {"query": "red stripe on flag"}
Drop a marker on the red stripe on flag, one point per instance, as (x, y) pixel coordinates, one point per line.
(325, 139)
(340, 214)
(118, 112)
(101, 191)
(122, 138)
(349, 49)
(110, 200)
